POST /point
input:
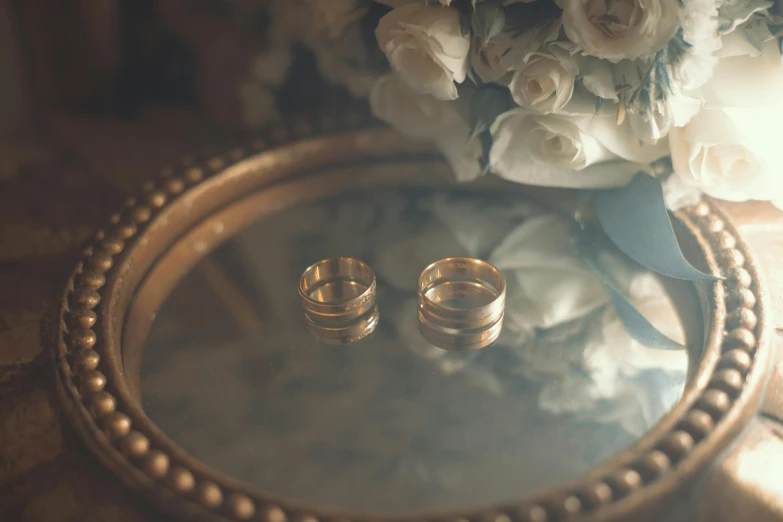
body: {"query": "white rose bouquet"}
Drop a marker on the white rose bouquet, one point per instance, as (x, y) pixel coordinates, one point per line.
(642, 105)
(582, 93)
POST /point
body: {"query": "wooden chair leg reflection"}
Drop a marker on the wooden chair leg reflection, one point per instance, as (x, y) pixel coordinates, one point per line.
(231, 297)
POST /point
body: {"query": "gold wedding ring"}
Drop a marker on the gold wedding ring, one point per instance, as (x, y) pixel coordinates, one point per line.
(338, 297)
(461, 303)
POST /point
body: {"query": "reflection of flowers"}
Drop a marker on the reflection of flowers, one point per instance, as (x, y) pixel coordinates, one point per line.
(597, 360)
(459, 228)
(548, 284)
(559, 330)
(422, 116)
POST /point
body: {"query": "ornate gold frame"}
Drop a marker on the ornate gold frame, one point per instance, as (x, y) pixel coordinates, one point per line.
(97, 387)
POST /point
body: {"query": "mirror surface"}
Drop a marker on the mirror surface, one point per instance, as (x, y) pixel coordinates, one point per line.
(390, 423)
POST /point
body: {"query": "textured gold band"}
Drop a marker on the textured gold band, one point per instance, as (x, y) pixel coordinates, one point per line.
(338, 297)
(345, 334)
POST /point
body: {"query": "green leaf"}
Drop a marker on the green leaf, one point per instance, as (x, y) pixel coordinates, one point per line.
(599, 103)
(636, 324)
(486, 104)
(486, 143)
(636, 220)
(488, 20)
(464, 24)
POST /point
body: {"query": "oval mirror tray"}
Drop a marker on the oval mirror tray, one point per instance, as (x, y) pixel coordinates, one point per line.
(185, 366)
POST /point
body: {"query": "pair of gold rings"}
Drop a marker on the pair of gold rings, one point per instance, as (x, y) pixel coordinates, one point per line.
(461, 302)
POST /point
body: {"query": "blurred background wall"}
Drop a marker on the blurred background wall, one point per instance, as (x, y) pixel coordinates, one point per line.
(119, 57)
(226, 65)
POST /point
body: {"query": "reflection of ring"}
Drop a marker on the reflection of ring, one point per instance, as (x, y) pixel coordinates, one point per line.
(338, 297)
(461, 303)
(347, 333)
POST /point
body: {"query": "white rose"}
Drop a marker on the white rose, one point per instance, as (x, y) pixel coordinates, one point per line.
(545, 83)
(423, 117)
(334, 16)
(576, 151)
(425, 46)
(619, 29)
(548, 284)
(731, 148)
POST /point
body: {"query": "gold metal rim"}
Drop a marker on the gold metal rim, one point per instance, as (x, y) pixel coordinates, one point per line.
(720, 399)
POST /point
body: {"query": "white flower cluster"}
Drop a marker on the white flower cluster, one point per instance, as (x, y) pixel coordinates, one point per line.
(559, 328)
(586, 93)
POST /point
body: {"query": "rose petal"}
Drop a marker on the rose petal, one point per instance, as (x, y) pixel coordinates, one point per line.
(743, 80)
(510, 158)
(425, 46)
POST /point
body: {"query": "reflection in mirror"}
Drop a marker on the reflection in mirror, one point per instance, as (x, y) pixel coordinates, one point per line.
(391, 423)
